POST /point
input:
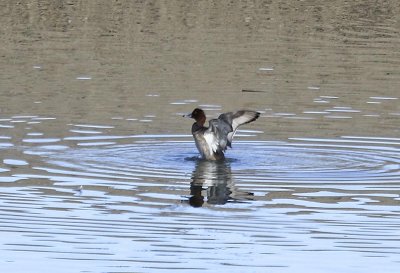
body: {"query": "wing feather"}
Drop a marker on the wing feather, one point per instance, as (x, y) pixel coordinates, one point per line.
(221, 131)
(238, 118)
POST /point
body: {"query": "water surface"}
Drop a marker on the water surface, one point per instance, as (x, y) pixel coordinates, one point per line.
(98, 172)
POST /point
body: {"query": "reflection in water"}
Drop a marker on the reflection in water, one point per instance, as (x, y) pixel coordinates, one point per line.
(89, 96)
(214, 179)
(328, 197)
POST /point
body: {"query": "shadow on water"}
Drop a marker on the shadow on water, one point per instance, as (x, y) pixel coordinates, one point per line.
(212, 182)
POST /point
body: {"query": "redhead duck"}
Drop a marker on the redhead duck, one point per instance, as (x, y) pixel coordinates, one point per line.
(212, 141)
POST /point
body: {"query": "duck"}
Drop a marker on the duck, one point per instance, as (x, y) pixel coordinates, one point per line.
(213, 141)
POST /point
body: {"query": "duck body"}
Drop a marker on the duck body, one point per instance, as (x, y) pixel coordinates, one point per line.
(207, 143)
(212, 141)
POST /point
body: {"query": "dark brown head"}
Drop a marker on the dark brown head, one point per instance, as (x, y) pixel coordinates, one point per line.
(198, 115)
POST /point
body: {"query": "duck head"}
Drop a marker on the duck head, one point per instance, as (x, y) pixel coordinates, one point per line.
(198, 115)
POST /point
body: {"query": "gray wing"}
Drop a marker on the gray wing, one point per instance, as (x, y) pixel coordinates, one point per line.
(236, 119)
(220, 129)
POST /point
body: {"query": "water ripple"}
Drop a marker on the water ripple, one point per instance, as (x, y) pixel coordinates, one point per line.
(138, 203)
(345, 164)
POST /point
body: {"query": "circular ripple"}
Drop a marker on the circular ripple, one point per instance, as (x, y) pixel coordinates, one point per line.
(305, 160)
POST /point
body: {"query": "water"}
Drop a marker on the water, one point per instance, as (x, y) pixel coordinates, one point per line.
(152, 205)
(99, 173)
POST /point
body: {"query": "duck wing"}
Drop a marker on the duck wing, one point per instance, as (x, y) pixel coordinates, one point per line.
(217, 135)
(236, 119)
(221, 131)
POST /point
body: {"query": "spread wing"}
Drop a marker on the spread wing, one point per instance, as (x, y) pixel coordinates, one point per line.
(236, 119)
(216, 135)
(221, 131)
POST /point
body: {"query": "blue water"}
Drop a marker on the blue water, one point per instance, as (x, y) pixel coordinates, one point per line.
(151, 205)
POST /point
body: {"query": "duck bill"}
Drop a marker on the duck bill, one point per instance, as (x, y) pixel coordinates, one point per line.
(188, 115)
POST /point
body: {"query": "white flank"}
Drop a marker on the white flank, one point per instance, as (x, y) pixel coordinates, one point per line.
(211, 142)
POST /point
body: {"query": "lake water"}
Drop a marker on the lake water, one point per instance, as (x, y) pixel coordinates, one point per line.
(99, 172)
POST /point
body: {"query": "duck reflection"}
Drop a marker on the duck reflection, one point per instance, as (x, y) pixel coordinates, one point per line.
(212, 183)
